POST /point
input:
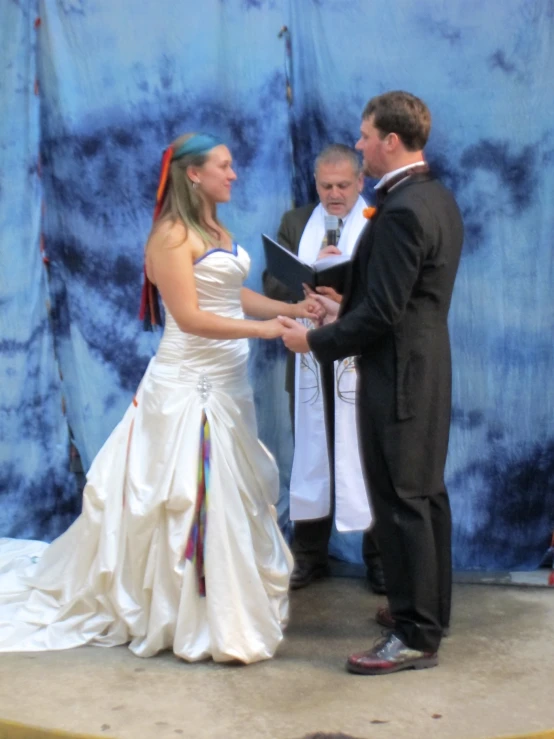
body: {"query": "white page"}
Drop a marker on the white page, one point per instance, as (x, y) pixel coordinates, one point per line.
(330, 261)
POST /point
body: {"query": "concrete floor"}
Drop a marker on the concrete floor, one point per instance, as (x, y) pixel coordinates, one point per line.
(494, 678)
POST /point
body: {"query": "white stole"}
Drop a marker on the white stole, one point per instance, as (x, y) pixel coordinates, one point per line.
(310, 494)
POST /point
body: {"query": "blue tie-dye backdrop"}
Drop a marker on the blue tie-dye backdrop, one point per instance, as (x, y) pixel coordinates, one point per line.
(92, 93)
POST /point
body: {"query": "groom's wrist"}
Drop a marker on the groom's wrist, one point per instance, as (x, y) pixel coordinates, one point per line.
(320, 341)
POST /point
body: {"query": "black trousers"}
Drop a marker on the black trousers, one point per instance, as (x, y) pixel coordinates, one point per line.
(311, 538)
(414, 537)
(311, 541)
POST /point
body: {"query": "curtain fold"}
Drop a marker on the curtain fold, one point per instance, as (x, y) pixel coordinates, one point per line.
(37, 490)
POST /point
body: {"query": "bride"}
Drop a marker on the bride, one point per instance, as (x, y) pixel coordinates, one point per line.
(177, 546)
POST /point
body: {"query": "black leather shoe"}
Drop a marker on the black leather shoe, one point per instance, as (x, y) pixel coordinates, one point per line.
(304, 573)
(390, 655)
(376, 576)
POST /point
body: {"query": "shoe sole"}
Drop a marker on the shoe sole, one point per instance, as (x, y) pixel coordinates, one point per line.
(421, 664)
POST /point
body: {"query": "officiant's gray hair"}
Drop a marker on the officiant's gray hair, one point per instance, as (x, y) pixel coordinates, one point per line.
(335, 153)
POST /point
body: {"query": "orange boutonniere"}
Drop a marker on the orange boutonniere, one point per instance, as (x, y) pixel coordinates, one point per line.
(369, 212)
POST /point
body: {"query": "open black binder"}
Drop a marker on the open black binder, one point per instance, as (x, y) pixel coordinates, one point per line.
(282, 264)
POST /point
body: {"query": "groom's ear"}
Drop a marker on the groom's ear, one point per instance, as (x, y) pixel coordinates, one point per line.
(392, 142)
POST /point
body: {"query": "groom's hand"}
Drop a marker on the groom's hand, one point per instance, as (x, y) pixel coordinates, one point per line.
(294, 335)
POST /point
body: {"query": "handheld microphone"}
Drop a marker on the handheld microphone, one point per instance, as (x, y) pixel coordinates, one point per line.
(332, 230)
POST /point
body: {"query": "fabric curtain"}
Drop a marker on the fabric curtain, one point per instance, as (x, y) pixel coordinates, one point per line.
(98, 89)
(37, 490)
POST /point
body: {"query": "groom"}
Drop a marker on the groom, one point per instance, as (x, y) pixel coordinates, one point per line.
(393, 317)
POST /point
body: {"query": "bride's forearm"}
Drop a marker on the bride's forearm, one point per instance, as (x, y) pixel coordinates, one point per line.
(259, 306)
(213, 326)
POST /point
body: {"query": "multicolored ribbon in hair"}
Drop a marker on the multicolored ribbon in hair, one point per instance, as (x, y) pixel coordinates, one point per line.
(150, 313)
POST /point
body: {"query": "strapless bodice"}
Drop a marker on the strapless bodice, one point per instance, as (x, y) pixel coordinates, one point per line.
(219, 275)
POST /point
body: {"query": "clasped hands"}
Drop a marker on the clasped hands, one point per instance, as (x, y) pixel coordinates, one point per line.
(320, 306)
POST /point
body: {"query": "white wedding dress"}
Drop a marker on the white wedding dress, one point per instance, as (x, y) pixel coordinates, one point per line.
(126, 570)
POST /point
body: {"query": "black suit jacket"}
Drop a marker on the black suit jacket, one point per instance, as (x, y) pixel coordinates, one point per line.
(394, 319)
(290, 232)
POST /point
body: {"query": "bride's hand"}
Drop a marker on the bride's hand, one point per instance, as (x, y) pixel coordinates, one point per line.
(271, 329)
(329, 307)
(309, 308)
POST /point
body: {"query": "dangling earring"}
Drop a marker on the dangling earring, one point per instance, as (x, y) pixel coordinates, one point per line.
(195, 185)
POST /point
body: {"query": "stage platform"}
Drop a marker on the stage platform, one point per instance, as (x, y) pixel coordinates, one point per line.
(494, 679)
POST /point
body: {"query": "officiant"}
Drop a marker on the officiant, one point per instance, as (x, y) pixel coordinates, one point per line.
(326, 481)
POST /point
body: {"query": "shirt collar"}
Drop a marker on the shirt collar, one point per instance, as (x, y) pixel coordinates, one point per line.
(389, 175)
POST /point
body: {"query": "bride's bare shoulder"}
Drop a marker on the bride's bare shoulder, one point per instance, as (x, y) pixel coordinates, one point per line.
(167, 235)
(167, 242)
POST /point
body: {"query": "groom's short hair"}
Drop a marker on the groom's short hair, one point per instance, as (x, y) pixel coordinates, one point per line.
(403, 114)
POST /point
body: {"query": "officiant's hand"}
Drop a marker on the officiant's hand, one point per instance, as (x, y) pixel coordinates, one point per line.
(328, 292)
(327, 251)
(294, 335)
